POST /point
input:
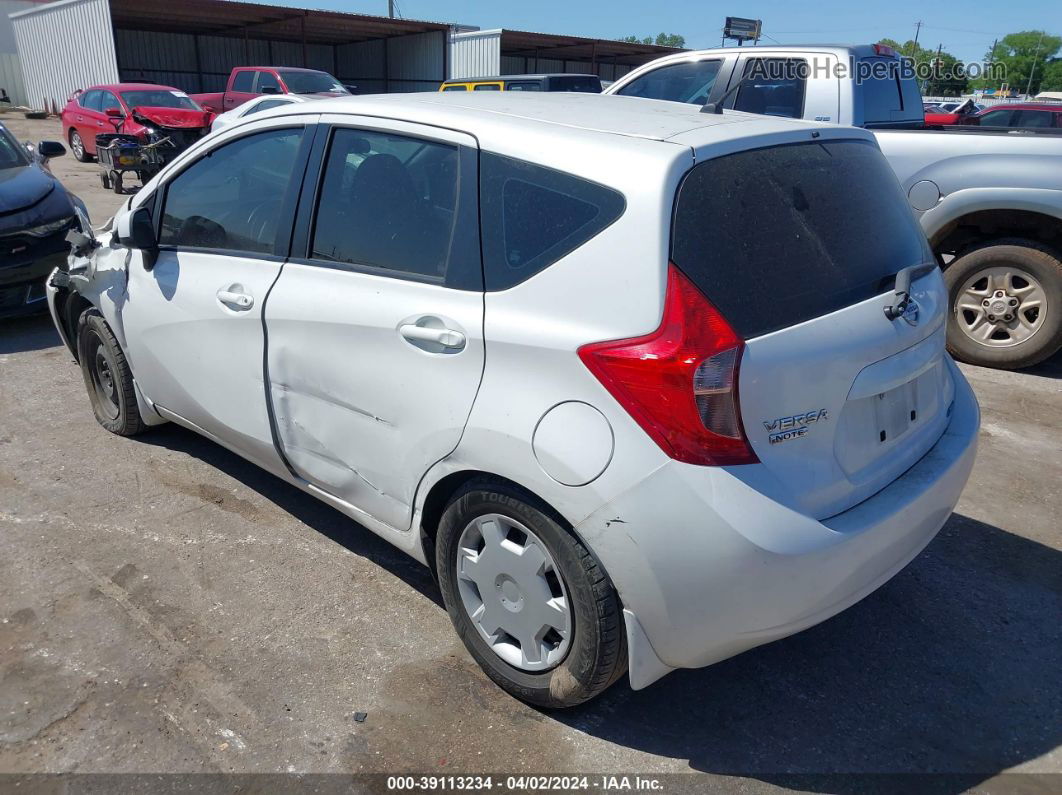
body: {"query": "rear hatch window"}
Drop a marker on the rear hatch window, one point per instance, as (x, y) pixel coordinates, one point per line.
(777, 236)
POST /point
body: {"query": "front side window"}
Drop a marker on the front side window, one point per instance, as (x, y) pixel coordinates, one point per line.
(12, 155)
(690, 81)
(997, 118)
(534, 216)
(109, 101)
(773, 87)
(268, 81)
(230, 199)
(1032, 118)
(388, 202)
(243, 81)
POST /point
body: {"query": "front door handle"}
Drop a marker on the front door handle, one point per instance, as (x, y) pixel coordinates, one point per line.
(236, 300)
(446, 337)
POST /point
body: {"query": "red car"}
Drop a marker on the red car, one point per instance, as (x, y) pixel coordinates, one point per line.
(1019, 115)
(140, 109)
(247, 82)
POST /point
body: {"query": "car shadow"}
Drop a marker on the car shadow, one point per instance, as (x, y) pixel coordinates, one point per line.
(307, 509)
(950, 668)
(1051, 368)
(31, 333)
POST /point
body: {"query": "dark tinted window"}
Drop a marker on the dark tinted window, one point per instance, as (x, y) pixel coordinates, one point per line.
(486, 87)
(532, 216)
(1032, 118)
(389, 202)
(996, 118)
(682, 82)
(777, 236)
(523, 85)
(455, 88)
(591, 84)
(881, 93)
(268, 80)
(266, 104)
(773, 87)
(90, 100)
(230, 199)
(243, 81)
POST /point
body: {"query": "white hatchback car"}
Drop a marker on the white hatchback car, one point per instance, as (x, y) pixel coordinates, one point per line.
(256, 105)
(645, 386)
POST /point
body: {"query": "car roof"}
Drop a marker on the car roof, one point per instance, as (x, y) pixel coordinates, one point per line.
(1025, 106)
(280, 69)
(547, 113)
(130, 87)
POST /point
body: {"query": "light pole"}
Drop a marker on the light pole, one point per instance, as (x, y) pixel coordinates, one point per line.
(1032, 71)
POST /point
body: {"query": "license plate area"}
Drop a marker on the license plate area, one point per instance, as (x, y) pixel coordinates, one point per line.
(876, 431)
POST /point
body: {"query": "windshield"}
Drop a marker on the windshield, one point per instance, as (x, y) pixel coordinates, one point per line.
(12, 153)
(159, 98)
(312, 83)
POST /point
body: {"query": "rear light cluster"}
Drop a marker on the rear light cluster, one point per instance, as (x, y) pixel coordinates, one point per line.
(679, 383)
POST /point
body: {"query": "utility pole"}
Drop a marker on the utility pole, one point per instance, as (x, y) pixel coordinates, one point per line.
(1032, 71)
(918, 29)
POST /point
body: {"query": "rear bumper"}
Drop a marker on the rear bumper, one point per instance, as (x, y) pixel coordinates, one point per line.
(707, 567)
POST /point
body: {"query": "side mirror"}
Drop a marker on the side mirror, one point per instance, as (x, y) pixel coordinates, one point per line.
(351, 89)
(114, 113)
(271, 89)
(50, 149)
(138, 231)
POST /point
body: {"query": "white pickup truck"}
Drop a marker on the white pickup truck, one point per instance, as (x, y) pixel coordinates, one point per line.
(989, 200)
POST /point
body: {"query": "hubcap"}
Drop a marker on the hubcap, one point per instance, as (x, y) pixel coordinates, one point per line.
(103, 382)
(76, 145)
(513, 593)
(1001, 306)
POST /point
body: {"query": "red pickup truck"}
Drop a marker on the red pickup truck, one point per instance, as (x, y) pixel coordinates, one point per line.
(247, 82)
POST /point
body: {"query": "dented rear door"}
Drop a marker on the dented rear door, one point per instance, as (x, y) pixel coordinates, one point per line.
(375, 345)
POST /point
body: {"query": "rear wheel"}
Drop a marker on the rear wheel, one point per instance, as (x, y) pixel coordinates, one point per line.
(107, 376)
(532, 605)
(1006, 304)
(77, 146)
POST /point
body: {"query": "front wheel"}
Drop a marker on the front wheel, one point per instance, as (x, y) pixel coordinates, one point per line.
(107, 376)
(1006, 304)
(530, 602)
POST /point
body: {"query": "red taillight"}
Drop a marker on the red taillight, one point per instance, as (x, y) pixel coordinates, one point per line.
(680, 382)
(884, 49)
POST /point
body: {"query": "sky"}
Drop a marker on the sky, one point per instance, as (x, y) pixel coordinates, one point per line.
(965, 28)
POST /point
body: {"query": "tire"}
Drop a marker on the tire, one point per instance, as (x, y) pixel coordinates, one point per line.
(77, 146)
(593, 654)
(108, 379)
(973, 280)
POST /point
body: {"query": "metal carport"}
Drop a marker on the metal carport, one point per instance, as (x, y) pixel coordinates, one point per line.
(193, 45)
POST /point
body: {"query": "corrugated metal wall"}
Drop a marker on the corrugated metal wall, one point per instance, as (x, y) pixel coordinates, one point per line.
(475, 54)
(478, 54)
(11, 78)
(403, 63)
(399, 64)
(519, 65)
(62, 47)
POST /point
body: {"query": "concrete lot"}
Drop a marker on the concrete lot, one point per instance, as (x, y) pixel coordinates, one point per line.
(165, 606)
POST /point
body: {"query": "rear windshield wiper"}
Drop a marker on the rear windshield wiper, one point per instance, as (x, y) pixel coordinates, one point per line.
(903, 288)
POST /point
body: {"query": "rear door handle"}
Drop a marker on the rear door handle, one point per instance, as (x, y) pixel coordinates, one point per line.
(446, 337)
(239, 300)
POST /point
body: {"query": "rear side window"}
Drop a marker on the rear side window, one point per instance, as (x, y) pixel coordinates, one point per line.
(691, 81)
(773, 87)
(777, 236)
(90, 100)
(525, 85)
(532, 216)
(243, 81)
(486, 87)
(1032, 118)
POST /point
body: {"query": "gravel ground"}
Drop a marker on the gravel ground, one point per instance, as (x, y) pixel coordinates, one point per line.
(167, 607)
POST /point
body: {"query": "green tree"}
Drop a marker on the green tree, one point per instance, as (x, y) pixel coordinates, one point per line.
(1052, 80)
(939, 68)
(1024, 54)
(662, 39)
